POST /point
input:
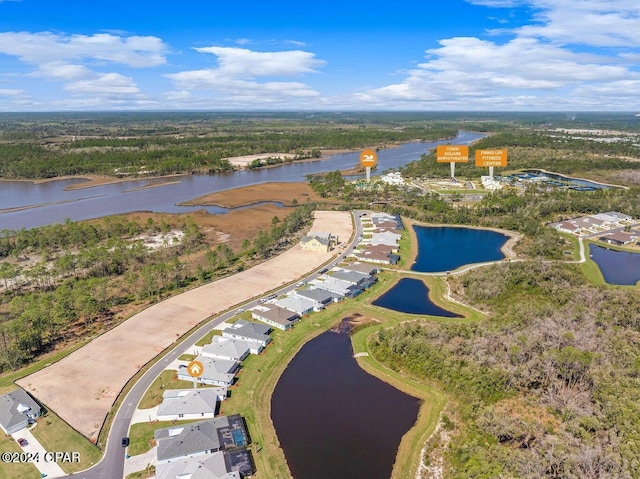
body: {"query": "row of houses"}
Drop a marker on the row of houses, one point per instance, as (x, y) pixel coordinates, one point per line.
(222, 357)
(216, 446)
(344, 282)
(381, 240)
(593, 223)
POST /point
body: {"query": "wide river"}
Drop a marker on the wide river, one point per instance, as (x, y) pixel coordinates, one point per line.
(48, 203)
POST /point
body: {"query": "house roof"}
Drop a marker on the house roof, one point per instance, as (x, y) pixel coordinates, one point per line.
(352, 277)
(209, 435)
(296, 303)
(275, 313)
(213, 467)
(361, 268)
(320, 295)
(244, 325)
(14, 407)
(226, 348)
(190, 401)
(335, 285)
(308, 239)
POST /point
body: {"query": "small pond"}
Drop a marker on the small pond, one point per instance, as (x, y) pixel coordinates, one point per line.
(617, 267)
(412, 296)
(445, 248)
(333, 419)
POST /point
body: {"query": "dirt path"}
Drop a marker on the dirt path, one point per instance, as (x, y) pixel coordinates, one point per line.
(82, 387)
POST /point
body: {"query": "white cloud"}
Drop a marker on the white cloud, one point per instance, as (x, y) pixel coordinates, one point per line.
(10, 92)
(46, 47)
(105, 84)
(545, 65)
(235, 80)
(476, 73)
(243, 62)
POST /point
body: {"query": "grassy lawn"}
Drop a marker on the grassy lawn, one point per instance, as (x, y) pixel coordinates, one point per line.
(207, 338)
(141, 436)
(142, 474)
(15, 470)
(166, 380)
(187, 357)
(56, 435)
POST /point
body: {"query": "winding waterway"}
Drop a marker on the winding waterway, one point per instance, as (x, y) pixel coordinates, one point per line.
(24, 204)
(334, 420)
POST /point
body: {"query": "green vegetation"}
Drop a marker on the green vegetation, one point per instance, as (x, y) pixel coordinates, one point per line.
(12, 470)
(537, 377)
(55, 435)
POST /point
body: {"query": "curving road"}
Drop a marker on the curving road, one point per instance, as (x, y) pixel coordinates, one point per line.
(112, 463)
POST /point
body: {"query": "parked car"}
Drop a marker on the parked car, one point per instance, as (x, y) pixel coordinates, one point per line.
(23, 442)
(125, 441)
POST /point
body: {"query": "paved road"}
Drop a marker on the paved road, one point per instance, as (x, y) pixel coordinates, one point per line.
(112, 463)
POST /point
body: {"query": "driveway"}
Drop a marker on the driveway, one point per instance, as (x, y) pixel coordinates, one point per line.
(45, 462)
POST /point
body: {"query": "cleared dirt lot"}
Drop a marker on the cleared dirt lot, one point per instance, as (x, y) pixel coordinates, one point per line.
(82, 387)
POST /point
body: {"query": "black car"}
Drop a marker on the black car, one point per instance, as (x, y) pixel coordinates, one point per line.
(125, 441)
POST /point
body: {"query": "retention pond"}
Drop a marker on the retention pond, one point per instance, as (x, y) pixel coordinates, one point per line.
(412, 296)
(333, 419)
(617, 267)
(445, 248)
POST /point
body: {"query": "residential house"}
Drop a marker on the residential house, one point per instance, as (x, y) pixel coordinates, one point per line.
(317, 241)
(377, 254)
(297, 304)
(179, 404)
(275, 316)
(17, 411)
(234, 464)
(321, 297)
(365, 268)
(619, 238)
(338, 287)
(201, 438)
(217, 372)
(256, 334)
(567, 227)
(361, 280)
(227, 348)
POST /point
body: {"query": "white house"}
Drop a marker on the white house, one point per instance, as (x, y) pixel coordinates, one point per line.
(182, 404)
(217, 372)
(297, 304)
(256, 334)
(226, 348)
(17, 411)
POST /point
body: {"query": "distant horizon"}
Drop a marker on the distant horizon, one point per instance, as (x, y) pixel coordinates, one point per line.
(458, 56)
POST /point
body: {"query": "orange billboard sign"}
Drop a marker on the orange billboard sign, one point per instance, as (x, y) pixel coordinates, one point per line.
(486, 158)
(452, 153)
(368, 158)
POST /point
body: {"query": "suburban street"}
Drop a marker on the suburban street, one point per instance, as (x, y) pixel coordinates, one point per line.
(112, 463)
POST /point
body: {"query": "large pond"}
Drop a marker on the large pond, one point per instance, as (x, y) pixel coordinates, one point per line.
(412, 296)
(47, 203)
(445, 248)
(333, 419)
(617, 267)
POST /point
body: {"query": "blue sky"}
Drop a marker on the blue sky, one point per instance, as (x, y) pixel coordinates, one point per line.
(458, 55)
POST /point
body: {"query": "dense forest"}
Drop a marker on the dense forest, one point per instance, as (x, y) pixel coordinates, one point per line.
(41, 146)
(547, 385)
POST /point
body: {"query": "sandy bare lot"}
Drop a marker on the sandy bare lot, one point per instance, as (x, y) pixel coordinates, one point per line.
(82, 387)
(243, 161)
